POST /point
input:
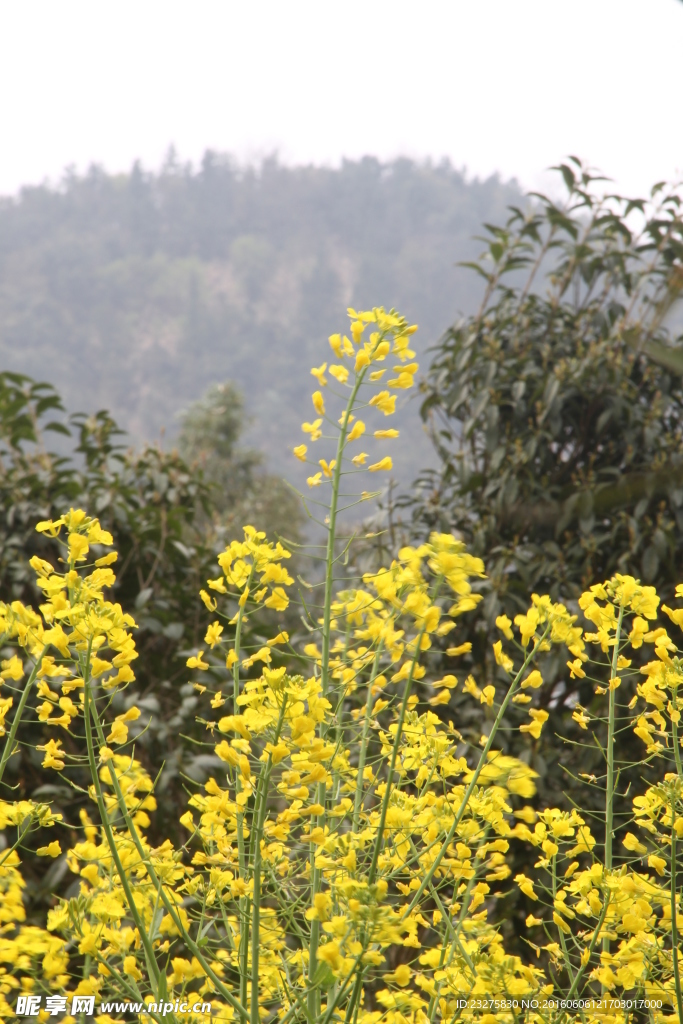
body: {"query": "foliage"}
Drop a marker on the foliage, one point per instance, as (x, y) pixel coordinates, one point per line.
(168, 524)
(557, 414)
(137, 292)
(346, 859)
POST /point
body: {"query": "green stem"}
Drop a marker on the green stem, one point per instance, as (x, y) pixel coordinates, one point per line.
(243, 953)
(609, 785)
(331, 536)
(238, 640)
(475, 777)
(448, 959)
(235, 711)
(674, 912)
(22, 830)
(563, 941)
(355, 997)
(455, 932)
(394, 755)
(243, 905)
(170, 908)
(674, 729)
(152, 965)
(16, 721)
(314, 991)
(591, 950)
(259, 816)
(354, 1001)
(352, 977)
(130, 989)
(332, 1003)
(364, 742)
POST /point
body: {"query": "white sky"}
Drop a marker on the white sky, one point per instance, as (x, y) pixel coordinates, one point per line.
(497, 85)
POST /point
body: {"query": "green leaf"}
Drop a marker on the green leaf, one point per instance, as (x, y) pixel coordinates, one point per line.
(323, 977)
(670, 358)
(57, 428)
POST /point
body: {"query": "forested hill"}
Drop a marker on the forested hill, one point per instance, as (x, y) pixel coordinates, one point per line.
(136, 292)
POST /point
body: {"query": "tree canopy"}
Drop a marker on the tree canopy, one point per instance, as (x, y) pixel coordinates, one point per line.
(557, 415)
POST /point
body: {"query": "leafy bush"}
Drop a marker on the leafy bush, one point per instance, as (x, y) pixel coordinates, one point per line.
(557, 414)
(169, 518)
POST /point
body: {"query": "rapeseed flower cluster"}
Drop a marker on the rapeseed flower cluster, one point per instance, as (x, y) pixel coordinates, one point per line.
(348, 855)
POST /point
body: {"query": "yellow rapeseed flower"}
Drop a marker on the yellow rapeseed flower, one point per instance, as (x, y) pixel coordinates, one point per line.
(318, 403)
(313, 429)
(213, 634)
(196, 661)
(51, 850)
(339, 373)
(385, 402)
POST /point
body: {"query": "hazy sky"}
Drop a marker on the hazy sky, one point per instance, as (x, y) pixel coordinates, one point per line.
(496, 85)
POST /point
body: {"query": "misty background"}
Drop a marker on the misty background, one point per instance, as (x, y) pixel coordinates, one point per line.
(326, 155)
(136, 292)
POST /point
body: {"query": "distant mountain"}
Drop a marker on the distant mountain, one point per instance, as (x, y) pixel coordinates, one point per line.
(137, 292)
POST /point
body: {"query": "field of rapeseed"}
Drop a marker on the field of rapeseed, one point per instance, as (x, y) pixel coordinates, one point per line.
(348, 860)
